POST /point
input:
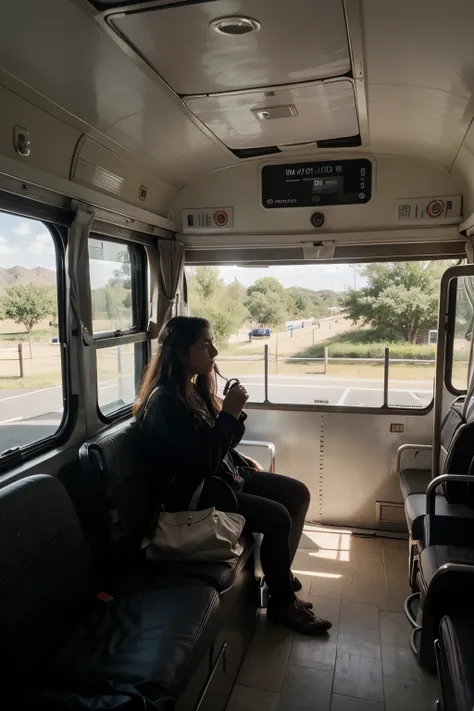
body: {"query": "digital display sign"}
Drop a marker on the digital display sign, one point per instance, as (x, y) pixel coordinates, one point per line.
(338, 182)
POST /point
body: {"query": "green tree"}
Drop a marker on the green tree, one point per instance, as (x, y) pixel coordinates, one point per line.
(207, 281)
(221, 304)
(268, 303)
(28, 305)
(400, 299)
(265, 310)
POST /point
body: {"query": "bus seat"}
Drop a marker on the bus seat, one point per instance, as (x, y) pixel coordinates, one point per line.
(71, 645)
(455, 663)
(127, 483)
(415, 513)
(445, 579)
(414, 481)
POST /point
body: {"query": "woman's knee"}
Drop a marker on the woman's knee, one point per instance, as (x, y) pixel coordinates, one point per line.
(300, 495)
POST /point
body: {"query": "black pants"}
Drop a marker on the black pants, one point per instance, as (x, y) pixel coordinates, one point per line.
(275, 506)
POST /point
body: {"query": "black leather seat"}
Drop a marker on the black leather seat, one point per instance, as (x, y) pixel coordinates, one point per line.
(67, 648)
(415, 513)
(414, 481)
(127, 482)
(455, 661)
(432, 558)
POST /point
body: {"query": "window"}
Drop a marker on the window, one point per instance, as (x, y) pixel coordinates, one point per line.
(354, 335)
(31, 369)
(118, 296)
(460, 341)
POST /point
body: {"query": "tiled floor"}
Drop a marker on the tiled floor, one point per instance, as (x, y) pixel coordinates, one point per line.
(365, 663)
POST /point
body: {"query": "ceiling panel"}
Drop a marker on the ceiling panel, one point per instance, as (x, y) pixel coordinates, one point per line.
(298, 41)
(307, 113)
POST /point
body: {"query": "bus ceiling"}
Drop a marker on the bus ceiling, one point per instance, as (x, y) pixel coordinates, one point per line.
(327, 122)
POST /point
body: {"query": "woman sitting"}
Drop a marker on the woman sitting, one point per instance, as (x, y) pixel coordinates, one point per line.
(193, 435)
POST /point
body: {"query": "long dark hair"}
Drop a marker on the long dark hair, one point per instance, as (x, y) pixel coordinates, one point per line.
(168, 369)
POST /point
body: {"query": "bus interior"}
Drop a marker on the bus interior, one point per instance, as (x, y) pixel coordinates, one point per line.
(302, 170)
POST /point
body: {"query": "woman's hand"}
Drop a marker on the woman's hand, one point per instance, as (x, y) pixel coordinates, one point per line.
(235, 400)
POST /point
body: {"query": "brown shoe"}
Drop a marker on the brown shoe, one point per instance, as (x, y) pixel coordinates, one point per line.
(298, 618)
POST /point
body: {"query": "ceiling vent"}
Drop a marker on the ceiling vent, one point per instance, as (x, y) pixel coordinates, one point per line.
(256, 79)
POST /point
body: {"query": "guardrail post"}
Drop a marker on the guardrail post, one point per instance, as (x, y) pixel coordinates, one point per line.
(20, 360)
(386, 365)
(266, 371)
(119, 368)
(326, 359)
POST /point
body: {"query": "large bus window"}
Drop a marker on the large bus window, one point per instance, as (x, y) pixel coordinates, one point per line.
(323, 330)
(117, 273)
(31, 372)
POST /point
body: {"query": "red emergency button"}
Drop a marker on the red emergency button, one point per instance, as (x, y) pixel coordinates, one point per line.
(221, 218)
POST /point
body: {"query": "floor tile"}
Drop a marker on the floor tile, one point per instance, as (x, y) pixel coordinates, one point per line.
(401, 662)
(328, 587)
(349, 703)
(395, 628)
(357, 614)
(316, 652)
(396, 578)
(408, 695)
(397, 544)
(365, 643)
(265, 663)
(367, 544)
(245, 698)
(358, 676)
(305, 689)
(362, 589)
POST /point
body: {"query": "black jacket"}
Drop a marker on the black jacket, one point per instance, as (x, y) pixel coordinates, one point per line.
(189, 448)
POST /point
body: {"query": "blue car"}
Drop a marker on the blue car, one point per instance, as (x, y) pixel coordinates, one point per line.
(260, 333)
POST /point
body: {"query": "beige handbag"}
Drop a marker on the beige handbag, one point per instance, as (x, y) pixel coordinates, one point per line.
(202, 536)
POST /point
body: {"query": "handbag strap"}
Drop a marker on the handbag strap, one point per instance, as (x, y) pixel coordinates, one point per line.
(196, 496)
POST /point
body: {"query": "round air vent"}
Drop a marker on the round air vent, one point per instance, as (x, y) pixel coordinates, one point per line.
(234, 26)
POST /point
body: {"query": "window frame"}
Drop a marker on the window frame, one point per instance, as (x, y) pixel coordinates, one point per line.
(21, 453)
(137, 334)
(450, 338)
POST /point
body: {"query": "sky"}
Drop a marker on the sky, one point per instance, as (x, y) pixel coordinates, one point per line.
(27, 243)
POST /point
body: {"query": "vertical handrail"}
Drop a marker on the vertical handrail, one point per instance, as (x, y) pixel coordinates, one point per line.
(266, 372)
(386, 366)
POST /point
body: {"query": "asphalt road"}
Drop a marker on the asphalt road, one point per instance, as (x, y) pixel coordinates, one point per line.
(30, 415)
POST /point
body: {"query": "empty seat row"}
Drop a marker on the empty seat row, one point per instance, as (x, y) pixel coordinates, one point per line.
(454, 504)
(89, 623)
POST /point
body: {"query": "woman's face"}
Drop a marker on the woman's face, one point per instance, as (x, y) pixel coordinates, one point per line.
(202, 354)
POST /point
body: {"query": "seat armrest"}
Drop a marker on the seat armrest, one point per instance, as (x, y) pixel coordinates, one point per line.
(265, 450)
(407, 448)
(442, 479)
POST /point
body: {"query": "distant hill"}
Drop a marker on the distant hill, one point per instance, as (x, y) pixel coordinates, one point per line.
(20, 276)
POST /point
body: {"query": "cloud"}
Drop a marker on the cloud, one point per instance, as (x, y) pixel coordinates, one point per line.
(4, 246)
(42, 244)
(23, 229)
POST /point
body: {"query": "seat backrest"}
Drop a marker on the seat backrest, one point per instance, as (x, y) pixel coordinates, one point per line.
(45, 571)
(127, 486)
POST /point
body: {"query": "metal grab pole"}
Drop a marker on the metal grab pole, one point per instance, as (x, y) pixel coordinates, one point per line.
(386, 365)
(266, 372)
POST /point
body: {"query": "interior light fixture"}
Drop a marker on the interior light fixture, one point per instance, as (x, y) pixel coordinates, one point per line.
(234, 26)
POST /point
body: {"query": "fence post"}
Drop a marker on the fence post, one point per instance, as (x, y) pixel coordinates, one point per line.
(20, 359)
(276, 353)
(119, 367)
(313, 335)
(326, 359)
(266, 372)
(386, 366)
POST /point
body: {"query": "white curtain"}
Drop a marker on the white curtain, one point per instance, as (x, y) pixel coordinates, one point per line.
(169, 266)
(77, 245)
